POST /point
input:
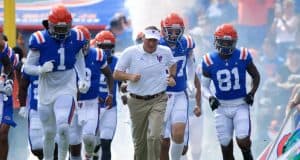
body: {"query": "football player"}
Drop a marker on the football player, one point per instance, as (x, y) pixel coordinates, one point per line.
(29, 84)
(88, 109)
(6, 106)
(227, 68)
(176, 115)
(105, 40)
(55, 56)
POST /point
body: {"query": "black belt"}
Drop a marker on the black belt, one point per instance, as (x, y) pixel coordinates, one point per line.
(147, 97)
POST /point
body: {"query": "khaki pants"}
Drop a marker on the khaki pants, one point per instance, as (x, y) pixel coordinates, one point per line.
(147, 126)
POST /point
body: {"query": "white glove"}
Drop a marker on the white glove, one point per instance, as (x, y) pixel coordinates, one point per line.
(46, 67)
(83, 86)
(7, 87)
(23, 112)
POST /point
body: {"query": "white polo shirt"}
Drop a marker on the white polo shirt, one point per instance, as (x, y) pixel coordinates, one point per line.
(151, 66)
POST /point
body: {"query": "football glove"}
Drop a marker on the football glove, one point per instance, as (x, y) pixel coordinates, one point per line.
(7, 87)
(249, 99)
(23, 112)
(46, 67)
(214, 103)
(83, 86)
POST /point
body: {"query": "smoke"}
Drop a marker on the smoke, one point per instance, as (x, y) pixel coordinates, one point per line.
(150, 12)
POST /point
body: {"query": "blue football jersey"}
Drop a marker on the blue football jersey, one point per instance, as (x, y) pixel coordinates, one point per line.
(61, 52)
(33, 90)
(94, 61)
(181, 53)
(228, 76)
(10, 53)
(103, 88)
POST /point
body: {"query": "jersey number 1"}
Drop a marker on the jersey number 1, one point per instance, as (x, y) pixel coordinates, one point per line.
(224, 79)
(61, 52)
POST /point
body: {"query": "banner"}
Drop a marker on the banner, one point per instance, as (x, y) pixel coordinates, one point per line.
(93, 13)
(275, 149)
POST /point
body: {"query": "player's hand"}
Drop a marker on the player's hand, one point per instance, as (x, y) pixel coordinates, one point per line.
(83, 86)
(23, 112)
(47, 67)
(213, 103)
(135, 77)
(124, 99)
(249, 99)
(7, 87)
(197, 111)
(109, 101)
(171, 81)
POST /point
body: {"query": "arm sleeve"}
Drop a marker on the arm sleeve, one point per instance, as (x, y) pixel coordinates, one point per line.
(32, 66)
(80, 65)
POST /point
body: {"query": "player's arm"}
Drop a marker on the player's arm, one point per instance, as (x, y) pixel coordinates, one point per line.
(32, 66)
(197, 84)
(80, 66)
(205, 82)
(110, 81)
(5, 60)
(205, 85)
(23, 86)
(252, 70)
(7, 66)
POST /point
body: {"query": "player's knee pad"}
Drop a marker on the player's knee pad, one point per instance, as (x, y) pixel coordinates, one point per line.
(245, 143)
(63, 130)
(89, 139)
(225, 141)
(49, 134)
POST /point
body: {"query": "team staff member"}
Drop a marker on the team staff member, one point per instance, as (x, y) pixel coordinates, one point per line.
(144, 67)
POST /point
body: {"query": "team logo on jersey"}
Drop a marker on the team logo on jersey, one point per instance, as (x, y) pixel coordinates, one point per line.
(7, 118)
(159, 58)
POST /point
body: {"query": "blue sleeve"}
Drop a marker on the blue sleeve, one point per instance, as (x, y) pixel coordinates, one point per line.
(33, 43)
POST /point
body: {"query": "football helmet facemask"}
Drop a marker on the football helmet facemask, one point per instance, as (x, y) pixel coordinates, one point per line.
(172, 28)
(60, 22)
(225, 39)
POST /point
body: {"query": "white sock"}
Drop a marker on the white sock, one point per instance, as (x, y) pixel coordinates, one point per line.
(176, 150)
(48, 145)
(63, 141)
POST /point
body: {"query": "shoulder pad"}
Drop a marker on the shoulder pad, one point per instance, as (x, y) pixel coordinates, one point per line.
(243, 53)
(79, 35)
(99, 54)
(189, 41)
(207, 59)
(39, 37)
